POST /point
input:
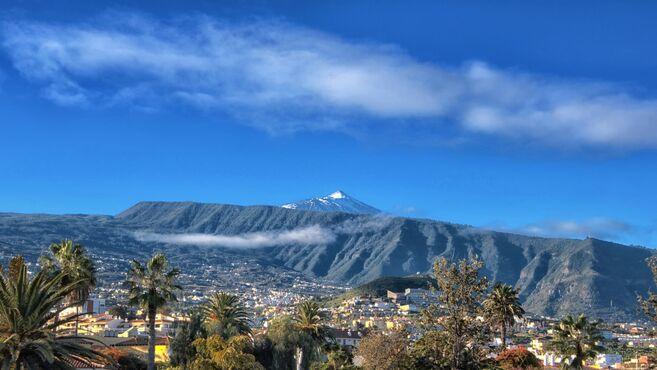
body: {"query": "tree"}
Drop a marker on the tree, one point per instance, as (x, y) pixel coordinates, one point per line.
(152, 286)
(517, 359)
(226, 316)
(263, 350)
(284, 337)
(72, 261)
(502, 307)
(124, 360)
(379, 350)
(339, 358)
(649, 304)
(215, 352)
(119, 311)
(578, 337)
(431, 351)
(29, 320)
(15, 266)
(309, 321)
(461, 292)
(182, 345)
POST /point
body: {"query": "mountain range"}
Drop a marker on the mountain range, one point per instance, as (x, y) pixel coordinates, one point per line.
(554, 276)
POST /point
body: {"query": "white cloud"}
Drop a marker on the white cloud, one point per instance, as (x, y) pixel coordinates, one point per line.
(603, 228)
(364, 224)
(309, 235)
(280, 77)
(312, 235)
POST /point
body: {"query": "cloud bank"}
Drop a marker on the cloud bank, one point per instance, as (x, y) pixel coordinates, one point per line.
(602, 228)
(307, 235)
(310, 235)
(284, 78)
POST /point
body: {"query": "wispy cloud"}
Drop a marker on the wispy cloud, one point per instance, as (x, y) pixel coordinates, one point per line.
(311, 235)
(599, 227)
(285, 78)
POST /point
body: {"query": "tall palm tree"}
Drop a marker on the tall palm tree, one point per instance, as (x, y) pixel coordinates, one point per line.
(226, 316)
(29, 320)
(579, 337)
(152, 286)
(502, 306)
(309, 321)
(71, 260)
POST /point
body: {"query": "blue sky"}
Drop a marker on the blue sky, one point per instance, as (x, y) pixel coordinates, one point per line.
(536, 117)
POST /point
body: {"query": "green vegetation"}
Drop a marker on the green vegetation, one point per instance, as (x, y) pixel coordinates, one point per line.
(71, 260)
(29, 310)
(519, 358)
(578, 337)
(151, 287)
(454, 322)
(119, 311)
(182, 345)
(217, 353)
(310, 322)
(452, 334)
(649, 304)
(385, 351)
(226, 316)
(378, 288)
(502, 307)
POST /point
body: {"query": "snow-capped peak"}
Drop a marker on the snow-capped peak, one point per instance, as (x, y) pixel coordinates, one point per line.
(338, 195)
(337, 201)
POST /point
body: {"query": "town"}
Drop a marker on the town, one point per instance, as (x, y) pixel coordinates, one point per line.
(150, 320)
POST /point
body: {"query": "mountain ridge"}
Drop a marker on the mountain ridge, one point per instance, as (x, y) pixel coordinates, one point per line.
(554, 275)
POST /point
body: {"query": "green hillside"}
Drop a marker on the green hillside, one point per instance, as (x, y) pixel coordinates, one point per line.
(379, 287)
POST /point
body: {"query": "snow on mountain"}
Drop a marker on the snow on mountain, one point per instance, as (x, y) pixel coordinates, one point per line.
(338, 201)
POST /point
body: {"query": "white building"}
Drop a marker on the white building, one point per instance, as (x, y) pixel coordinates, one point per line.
(92, 306)
(605, 360)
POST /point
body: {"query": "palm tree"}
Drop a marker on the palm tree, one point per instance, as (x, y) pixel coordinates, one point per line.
(226, 316)
(151, 287)
(502, 307)
(309, 321)
(73, 262)
(579, 337)
(29, 320)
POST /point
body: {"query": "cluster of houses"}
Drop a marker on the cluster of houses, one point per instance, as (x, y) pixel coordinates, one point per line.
(631, 335)
(105, 330)
(351, 320)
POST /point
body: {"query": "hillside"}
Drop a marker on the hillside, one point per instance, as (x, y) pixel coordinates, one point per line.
(554, 276)
(379, 287)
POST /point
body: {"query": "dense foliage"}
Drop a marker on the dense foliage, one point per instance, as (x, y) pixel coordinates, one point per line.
(29, 318)
(385, 351)
(456, 317)
(182, 345)
(151, 287)
(577, 337)
(502, 307)
(518, 358)
(217, 353)
(226, 316)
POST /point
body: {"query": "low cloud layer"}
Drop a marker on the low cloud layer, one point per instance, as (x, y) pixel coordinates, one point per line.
(310, 235)
(602, 228)
(307, 235)
(285, 78)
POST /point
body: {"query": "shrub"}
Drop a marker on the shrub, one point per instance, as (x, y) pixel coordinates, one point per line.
(518, 358)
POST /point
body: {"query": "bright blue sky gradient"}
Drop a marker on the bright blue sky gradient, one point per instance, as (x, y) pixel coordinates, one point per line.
(70, 142)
